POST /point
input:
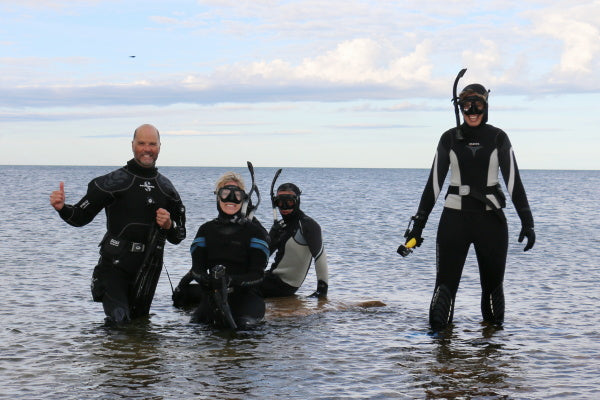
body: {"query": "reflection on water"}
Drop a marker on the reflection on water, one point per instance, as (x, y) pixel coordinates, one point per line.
(467, 370)
(53, 344)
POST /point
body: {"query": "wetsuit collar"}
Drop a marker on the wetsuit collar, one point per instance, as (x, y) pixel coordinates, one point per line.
(471, 131)
(226, 218)
(137, 169)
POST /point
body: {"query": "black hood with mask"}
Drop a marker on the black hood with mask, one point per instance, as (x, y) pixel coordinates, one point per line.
(290, 187)
(472, 93)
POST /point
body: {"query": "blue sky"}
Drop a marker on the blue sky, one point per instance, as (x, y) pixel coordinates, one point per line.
(338, 83)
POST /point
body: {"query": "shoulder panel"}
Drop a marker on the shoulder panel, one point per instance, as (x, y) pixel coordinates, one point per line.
(167, 187)
(115, 181)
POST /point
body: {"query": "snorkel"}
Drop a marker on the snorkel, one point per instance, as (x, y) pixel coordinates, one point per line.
(459, 134)
(273, 195)
(248, 209)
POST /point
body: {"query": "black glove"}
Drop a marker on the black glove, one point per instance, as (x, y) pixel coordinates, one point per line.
(202, 278)
(277, 229)
(528, 233)
(178, 297)
(321, 291)
(419, 220)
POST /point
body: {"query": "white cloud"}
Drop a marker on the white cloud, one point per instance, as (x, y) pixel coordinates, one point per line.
(352, 62)
(578, 28)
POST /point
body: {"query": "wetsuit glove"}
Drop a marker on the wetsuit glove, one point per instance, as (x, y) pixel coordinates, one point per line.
(178, 297)
(321, 291)
(528, 233)
(275, 233)
(418, 224)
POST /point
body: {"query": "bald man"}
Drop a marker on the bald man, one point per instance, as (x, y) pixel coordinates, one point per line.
(143, 210)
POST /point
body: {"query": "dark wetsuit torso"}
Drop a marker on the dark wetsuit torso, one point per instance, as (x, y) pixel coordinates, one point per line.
(242, 247)
(130, 197)
(296, 246)
(472, 214)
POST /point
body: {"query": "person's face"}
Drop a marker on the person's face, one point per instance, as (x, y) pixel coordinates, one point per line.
(146, 146)
(473, 120)
(472, 109)
(230, 208)
(288, 211)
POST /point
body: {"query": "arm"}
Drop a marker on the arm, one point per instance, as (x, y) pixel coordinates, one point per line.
(171, 219)
(311, 230)
(85, 210)
(275, 235)
(199, 255)
(433, 187)
(173, 222)
(437, 176)
(258, 256)
(516, 190)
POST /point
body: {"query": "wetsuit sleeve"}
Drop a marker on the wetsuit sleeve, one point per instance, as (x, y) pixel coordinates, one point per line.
(175, 207)
(437, 175)
(512, 179)
(88, 207)
(199, 254)
(258, 256)
(177, 232)
(186, 279)
(275, 235)
(311, 231)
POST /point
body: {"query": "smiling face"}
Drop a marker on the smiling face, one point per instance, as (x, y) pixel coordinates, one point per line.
(473, 108)
(227, 207)
(146, 145)
(473, 120)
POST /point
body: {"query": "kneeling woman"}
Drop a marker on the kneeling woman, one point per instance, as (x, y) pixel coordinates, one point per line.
(240, 246)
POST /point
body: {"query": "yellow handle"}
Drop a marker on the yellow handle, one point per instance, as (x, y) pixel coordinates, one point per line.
(411, 243)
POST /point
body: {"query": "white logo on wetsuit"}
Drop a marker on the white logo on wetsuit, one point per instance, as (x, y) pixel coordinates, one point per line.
(474, 147)
(147, 186)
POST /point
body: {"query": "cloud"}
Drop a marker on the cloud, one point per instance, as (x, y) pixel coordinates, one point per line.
(578, 28)
(353, 62)
(306, 51)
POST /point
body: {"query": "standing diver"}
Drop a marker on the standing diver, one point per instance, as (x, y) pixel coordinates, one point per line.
(297, 240)
(229, 255)
(474, 151)
(142, 210)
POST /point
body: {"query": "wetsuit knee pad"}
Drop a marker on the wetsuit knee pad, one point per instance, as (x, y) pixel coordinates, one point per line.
(118, 316)
(441, 309)
(492, 305)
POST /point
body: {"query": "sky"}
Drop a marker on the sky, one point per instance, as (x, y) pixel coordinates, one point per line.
(296, 83)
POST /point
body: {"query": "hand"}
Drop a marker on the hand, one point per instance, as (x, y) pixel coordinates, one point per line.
(57, 197)
(277, 230)
(201, 277)
(278, 227)
(178, 297)
(163, 218)
(528, 233)
(321, 291)
(419, 222)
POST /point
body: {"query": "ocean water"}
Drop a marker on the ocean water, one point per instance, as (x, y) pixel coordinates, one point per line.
(53, 344)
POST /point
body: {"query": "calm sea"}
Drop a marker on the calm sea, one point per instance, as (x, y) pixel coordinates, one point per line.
(53, 344)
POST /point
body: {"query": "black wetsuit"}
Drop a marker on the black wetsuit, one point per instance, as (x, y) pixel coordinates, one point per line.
(473, 215)
(130, 197)
(241, 246)
(297, 241)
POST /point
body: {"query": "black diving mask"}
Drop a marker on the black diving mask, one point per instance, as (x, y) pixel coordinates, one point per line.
(286, 201)
(472, 105)
(231, 194)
